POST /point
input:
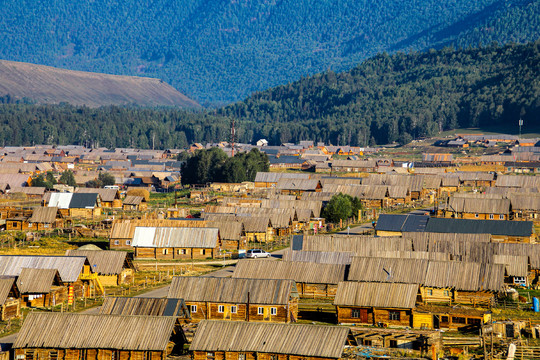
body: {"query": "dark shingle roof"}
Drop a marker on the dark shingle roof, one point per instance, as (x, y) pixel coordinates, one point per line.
(398, 223)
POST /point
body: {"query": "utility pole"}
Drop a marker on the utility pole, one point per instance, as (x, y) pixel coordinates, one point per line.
(233, 133)
(520, 125)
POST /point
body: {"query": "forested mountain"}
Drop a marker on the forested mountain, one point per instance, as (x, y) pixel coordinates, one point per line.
(384, 99)
(401, 97)
(222, 51)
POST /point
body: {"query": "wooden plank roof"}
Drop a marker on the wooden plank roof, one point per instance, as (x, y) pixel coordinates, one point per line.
(83, 331)
(160, 237)
(133, 200)
(386, 295)
(6, 284)
(104, 262)
(68, 267)
(144, 306)
(479, 205)
(36, 281)
(293, 339)
(321, 257)
(358, 244)
(44, 215)
(228, 230)
(301, 272)
(233, 290)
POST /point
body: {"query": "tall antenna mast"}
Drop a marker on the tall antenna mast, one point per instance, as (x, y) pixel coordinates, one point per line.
(233, 133)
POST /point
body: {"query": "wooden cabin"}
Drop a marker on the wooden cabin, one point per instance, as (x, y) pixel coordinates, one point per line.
(231, 232)
(80, 205)
(112, 267)
(40, 287)
(379, 304)
(45, 218)
(176, 243)
(237, 299)
(145, 306)
(75, 273)
(449, 317)
(110, 198)
(10, 305)
(270, 179)
(312, 279)
(298, 186)
(122, 231)
(477, 207)
(525, 206)
(257, 228)
(18, 223)
(439, 281)
(135, 203)
(65, 336)
(250, 341)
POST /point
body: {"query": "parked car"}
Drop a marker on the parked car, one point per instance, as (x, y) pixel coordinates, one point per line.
(257, 253)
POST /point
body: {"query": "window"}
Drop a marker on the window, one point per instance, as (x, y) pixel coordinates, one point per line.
(234, 309)
(430, 292)
(501, 217)
(273, 357)
(476, 215)
(458, 320)
(446, 293)
(394, 315)
(367, 342)
(491, 216)
(165, 251)
(181, 251)
(519, 280)
(29, 354)
(273, 311)
(444, 319)
(82, 355)
(53, 355)
(393, 343)
(260, 310)
(242, 356)
(473, 321)
(193, 308)
(220, 309)
(116, 242)
(128, 242)
(355, 313)
(201, 251)
(210, 355)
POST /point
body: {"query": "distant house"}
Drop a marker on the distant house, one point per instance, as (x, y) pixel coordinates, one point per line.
(110, 198)
(478, 207)
(65, 336)
(44, 218)
(145, 306)
(10, 306)
(237, 299)
(76, 205)
(135, 203)
(111, 267)
(40, 287)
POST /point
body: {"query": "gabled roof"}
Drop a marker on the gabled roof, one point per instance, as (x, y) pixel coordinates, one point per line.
(73, 200)
(6, 284)
(144, 306)
(72, 331)
(44, 215)
(133, 200)
(399, 223)
(304, 272)
(104, 262)
(302, 340)
(37, 281)
(182, 237)
(107, 195)
(363, 294)
(321, 257)
(233, 290)
(68, 267)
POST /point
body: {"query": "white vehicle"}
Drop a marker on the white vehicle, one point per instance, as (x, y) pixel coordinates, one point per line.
(257, 253)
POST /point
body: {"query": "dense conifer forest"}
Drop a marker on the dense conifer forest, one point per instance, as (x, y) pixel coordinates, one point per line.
(219, 51)
(385, 99)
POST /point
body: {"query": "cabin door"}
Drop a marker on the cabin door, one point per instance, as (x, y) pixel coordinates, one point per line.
(227, 313)
(363, 315)
(266, 314)
(436, 324)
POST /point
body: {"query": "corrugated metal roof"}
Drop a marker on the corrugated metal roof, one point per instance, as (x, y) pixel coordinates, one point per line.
(363, 294)
(68, 267)
(302, 340)
(182, 237)
(60, 200)
(233, 290)
(302, 272)
(493, 227)
(83, 331)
